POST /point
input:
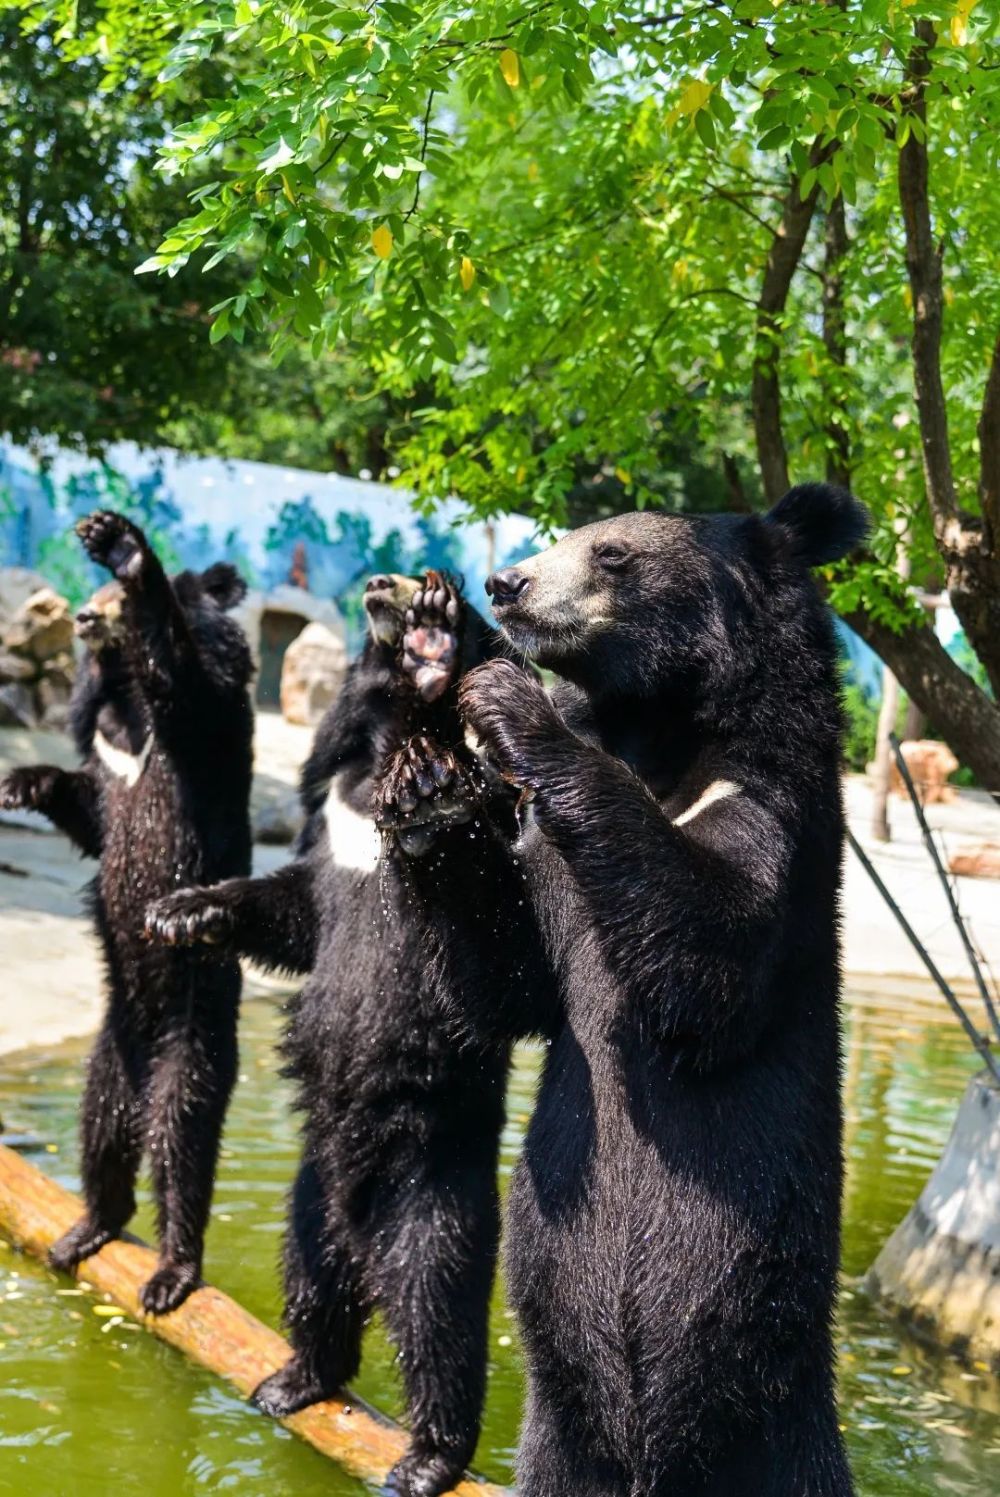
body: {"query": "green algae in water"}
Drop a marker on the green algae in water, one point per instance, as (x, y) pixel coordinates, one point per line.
(91, 1405)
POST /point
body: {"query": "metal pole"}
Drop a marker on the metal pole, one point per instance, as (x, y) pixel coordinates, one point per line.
(931, 846)
(975, 1038)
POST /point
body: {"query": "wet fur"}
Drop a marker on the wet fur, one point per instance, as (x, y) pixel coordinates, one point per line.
(164, 1062)
(674, 1221)
(395, 1206)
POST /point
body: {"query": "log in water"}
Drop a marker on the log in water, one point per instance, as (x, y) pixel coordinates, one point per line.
(209, 1328)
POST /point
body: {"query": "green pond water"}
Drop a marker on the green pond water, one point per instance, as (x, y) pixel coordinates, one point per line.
(89, 1407)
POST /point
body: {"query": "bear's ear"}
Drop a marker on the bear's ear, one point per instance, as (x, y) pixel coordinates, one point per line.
(224, 584)
(822, 523)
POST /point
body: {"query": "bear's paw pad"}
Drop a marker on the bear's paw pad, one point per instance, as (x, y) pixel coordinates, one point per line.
(113, 542)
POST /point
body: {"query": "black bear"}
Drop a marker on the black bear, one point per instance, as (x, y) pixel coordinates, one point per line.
(674, 1221)
(162, 716)
(395, 1206)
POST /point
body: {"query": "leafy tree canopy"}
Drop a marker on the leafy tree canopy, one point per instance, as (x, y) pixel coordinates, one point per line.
(585, 230)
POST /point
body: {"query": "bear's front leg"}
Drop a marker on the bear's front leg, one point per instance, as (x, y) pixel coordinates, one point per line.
(422, 790)
(67, 797)
(113, 542)
(431, 637)
(515, 720)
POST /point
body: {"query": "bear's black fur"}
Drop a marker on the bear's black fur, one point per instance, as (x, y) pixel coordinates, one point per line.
(163, 721)
(674, 1222)
(395, 1205)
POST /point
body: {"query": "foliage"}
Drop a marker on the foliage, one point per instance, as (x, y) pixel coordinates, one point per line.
(568, 237)
(860, 725)
(554, 217)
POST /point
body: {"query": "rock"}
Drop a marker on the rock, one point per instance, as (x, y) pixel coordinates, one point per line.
(295, 602)
(52, 694)
(278, 822)
(930, 763)
(16, 586)
(940, 1270)
(311, 674)
(16, 668)
(976, 860)
(41, 628)
(17, 706)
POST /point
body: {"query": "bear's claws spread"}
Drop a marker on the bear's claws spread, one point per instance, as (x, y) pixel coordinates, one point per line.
(19, 790)
(423, 788)
(187, 918)
(430, 636)
(113, 542)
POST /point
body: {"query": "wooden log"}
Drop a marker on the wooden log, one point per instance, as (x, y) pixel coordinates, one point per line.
(209, 1328)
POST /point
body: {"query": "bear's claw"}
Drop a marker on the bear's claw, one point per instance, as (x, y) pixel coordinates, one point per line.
(113, 542)
(81, 1241)
(430, 636)
(168, 1288)
(187, 918)
(422, 789)
(286, 1391)
(423, 1474)
(19, 790)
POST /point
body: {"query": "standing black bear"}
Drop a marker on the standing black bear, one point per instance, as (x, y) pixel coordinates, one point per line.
(395, 1205)
(674, 1222)
(162, 716)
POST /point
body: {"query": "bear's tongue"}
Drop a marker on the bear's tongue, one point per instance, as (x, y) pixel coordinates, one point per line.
(431, 655)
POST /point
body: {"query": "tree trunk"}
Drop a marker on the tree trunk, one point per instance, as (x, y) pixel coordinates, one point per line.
(882, 779)
(765, 390)
(967, 544)
(915, 724)
(838, 451)
(959, 710)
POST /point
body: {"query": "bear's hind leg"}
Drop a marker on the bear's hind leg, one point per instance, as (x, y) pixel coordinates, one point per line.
(435, 1280)
(325, 1306)
(192, 1080)
(111, 1147)
(557, 1456)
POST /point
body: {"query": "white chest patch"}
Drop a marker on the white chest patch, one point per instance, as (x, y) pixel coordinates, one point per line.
(354, 839)
(718, 790)
(119, 762)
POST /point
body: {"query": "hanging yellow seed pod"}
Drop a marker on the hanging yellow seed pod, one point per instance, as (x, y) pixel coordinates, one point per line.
(466, 273)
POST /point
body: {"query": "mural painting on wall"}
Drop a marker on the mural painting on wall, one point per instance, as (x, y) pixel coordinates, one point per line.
(282, 527)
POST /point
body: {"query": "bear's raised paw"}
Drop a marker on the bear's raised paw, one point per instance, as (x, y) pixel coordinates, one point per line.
(113, 542)
(430, 636)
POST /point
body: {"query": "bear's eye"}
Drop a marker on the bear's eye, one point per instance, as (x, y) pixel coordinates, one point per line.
(610, 557)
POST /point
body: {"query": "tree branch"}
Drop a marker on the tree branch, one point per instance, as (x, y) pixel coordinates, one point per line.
(958, 708)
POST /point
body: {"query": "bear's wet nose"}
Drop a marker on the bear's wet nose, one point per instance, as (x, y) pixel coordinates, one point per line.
(506, 586)
(378, 584)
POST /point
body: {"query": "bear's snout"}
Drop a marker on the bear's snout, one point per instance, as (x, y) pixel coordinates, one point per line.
(507, 586)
